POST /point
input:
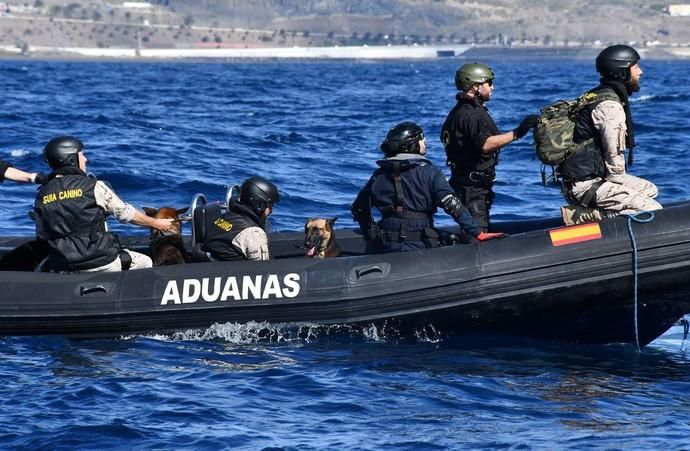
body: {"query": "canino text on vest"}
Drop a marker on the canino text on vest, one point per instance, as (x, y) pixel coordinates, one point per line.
(212, 289)
(62, 195)
(223, 224)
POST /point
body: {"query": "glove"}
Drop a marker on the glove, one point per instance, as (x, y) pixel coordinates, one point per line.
(40, 178)
(528, 123)
(484, 236)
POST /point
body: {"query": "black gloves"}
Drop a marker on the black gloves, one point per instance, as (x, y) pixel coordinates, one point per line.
(40, 178)
(528, 123)
(452, 205)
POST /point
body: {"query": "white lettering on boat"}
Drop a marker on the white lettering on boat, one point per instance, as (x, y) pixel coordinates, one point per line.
(212, 289)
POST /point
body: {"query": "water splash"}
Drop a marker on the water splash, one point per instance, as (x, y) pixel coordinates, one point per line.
(262, 332)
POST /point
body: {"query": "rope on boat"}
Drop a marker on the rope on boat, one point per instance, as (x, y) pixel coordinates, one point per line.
(636, 217)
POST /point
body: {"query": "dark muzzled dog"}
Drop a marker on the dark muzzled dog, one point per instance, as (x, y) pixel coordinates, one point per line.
(319, 239)
(167, 248)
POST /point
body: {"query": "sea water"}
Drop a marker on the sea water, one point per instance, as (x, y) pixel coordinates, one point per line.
(161, 132)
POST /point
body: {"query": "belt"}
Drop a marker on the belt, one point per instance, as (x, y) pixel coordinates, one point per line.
(388, 212)
(429, 234)
(408, 236)
(476, 179)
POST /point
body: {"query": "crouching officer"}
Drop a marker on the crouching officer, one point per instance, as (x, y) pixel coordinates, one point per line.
(596, 183)
(240, 232)
(70, 212)
(406, 189)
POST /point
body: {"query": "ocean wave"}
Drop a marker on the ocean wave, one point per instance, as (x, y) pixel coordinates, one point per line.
(21, 153)
(660, 98)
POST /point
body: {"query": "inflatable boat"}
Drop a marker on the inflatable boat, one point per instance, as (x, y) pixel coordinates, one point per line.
(622, 280)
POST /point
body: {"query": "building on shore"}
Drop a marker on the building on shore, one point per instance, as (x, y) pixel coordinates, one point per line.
(679, 10)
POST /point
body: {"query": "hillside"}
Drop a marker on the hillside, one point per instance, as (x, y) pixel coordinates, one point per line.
(272, 23)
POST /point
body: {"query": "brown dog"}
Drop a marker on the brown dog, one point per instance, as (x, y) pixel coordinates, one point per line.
(319, 238)
(167, 248)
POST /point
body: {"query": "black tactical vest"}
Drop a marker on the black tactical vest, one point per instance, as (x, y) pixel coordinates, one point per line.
(71, 222)
(469, 164)
(222, 230)
(588, 162)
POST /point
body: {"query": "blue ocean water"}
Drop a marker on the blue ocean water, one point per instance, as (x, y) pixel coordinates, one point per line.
(161, 132)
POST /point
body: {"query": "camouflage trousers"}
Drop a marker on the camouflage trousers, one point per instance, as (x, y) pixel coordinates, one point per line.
(631, 196)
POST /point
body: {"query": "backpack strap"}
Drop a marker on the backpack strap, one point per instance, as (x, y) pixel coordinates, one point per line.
(589, 199)
(591, 97)
(399, 196)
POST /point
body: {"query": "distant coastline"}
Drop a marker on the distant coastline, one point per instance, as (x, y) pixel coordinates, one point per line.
(187, 30)
(397, 52)
(295, 52)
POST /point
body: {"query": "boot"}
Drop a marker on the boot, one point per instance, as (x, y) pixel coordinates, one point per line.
(576, 214)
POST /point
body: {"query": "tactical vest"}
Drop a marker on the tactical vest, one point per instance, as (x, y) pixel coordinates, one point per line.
(588, 162)
(222, 230)
(469, 165)
(72, 223)
(399, 222)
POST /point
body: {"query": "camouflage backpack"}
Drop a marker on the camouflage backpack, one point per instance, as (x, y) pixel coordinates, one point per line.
(553, 134)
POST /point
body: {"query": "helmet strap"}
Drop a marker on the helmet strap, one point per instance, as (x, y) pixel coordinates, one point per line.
(477, 92)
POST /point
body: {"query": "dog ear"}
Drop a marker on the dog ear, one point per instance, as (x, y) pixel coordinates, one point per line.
(308, 221)
(179, 211)
(331, 221)
(150, 211)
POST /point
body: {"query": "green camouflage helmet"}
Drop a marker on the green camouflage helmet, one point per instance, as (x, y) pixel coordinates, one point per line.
(472, 73)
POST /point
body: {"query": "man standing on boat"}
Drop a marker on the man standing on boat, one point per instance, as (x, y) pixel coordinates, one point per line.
(17, 175)
(70, 213)
(240, 232)
(407, 189)
(595, 182)
(472, 140)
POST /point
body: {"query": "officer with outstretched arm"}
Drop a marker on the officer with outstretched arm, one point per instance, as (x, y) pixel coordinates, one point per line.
(407, 189)
(472, 140)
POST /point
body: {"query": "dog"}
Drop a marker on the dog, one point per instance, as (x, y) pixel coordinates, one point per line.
(167, 248)
(319, 239)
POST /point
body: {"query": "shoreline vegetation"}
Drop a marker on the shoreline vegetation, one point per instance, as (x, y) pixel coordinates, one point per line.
(334, 29)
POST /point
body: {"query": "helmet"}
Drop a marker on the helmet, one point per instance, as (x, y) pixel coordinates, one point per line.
(258, 194)
(614, 62)
(403, 138)
(62, 151)
(472, 73)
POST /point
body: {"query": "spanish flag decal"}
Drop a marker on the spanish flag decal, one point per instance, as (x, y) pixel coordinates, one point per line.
(575, 234)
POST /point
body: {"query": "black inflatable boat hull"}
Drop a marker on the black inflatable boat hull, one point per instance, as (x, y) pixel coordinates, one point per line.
(565, 284)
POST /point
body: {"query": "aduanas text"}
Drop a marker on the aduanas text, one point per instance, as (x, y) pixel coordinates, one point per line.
(241, 288)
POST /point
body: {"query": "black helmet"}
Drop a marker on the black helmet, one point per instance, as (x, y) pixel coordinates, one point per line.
(403, 138)
(62, 151)
(258, 194)
(614, 62)
(472, 73)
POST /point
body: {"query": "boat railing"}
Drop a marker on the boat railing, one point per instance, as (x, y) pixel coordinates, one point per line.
(229, 194)
(198, 200)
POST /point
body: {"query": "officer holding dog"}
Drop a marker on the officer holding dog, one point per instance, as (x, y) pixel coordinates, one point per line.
(595, 181)
(407, 189)
(472, 140)
(240, 232)
(70, 212)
